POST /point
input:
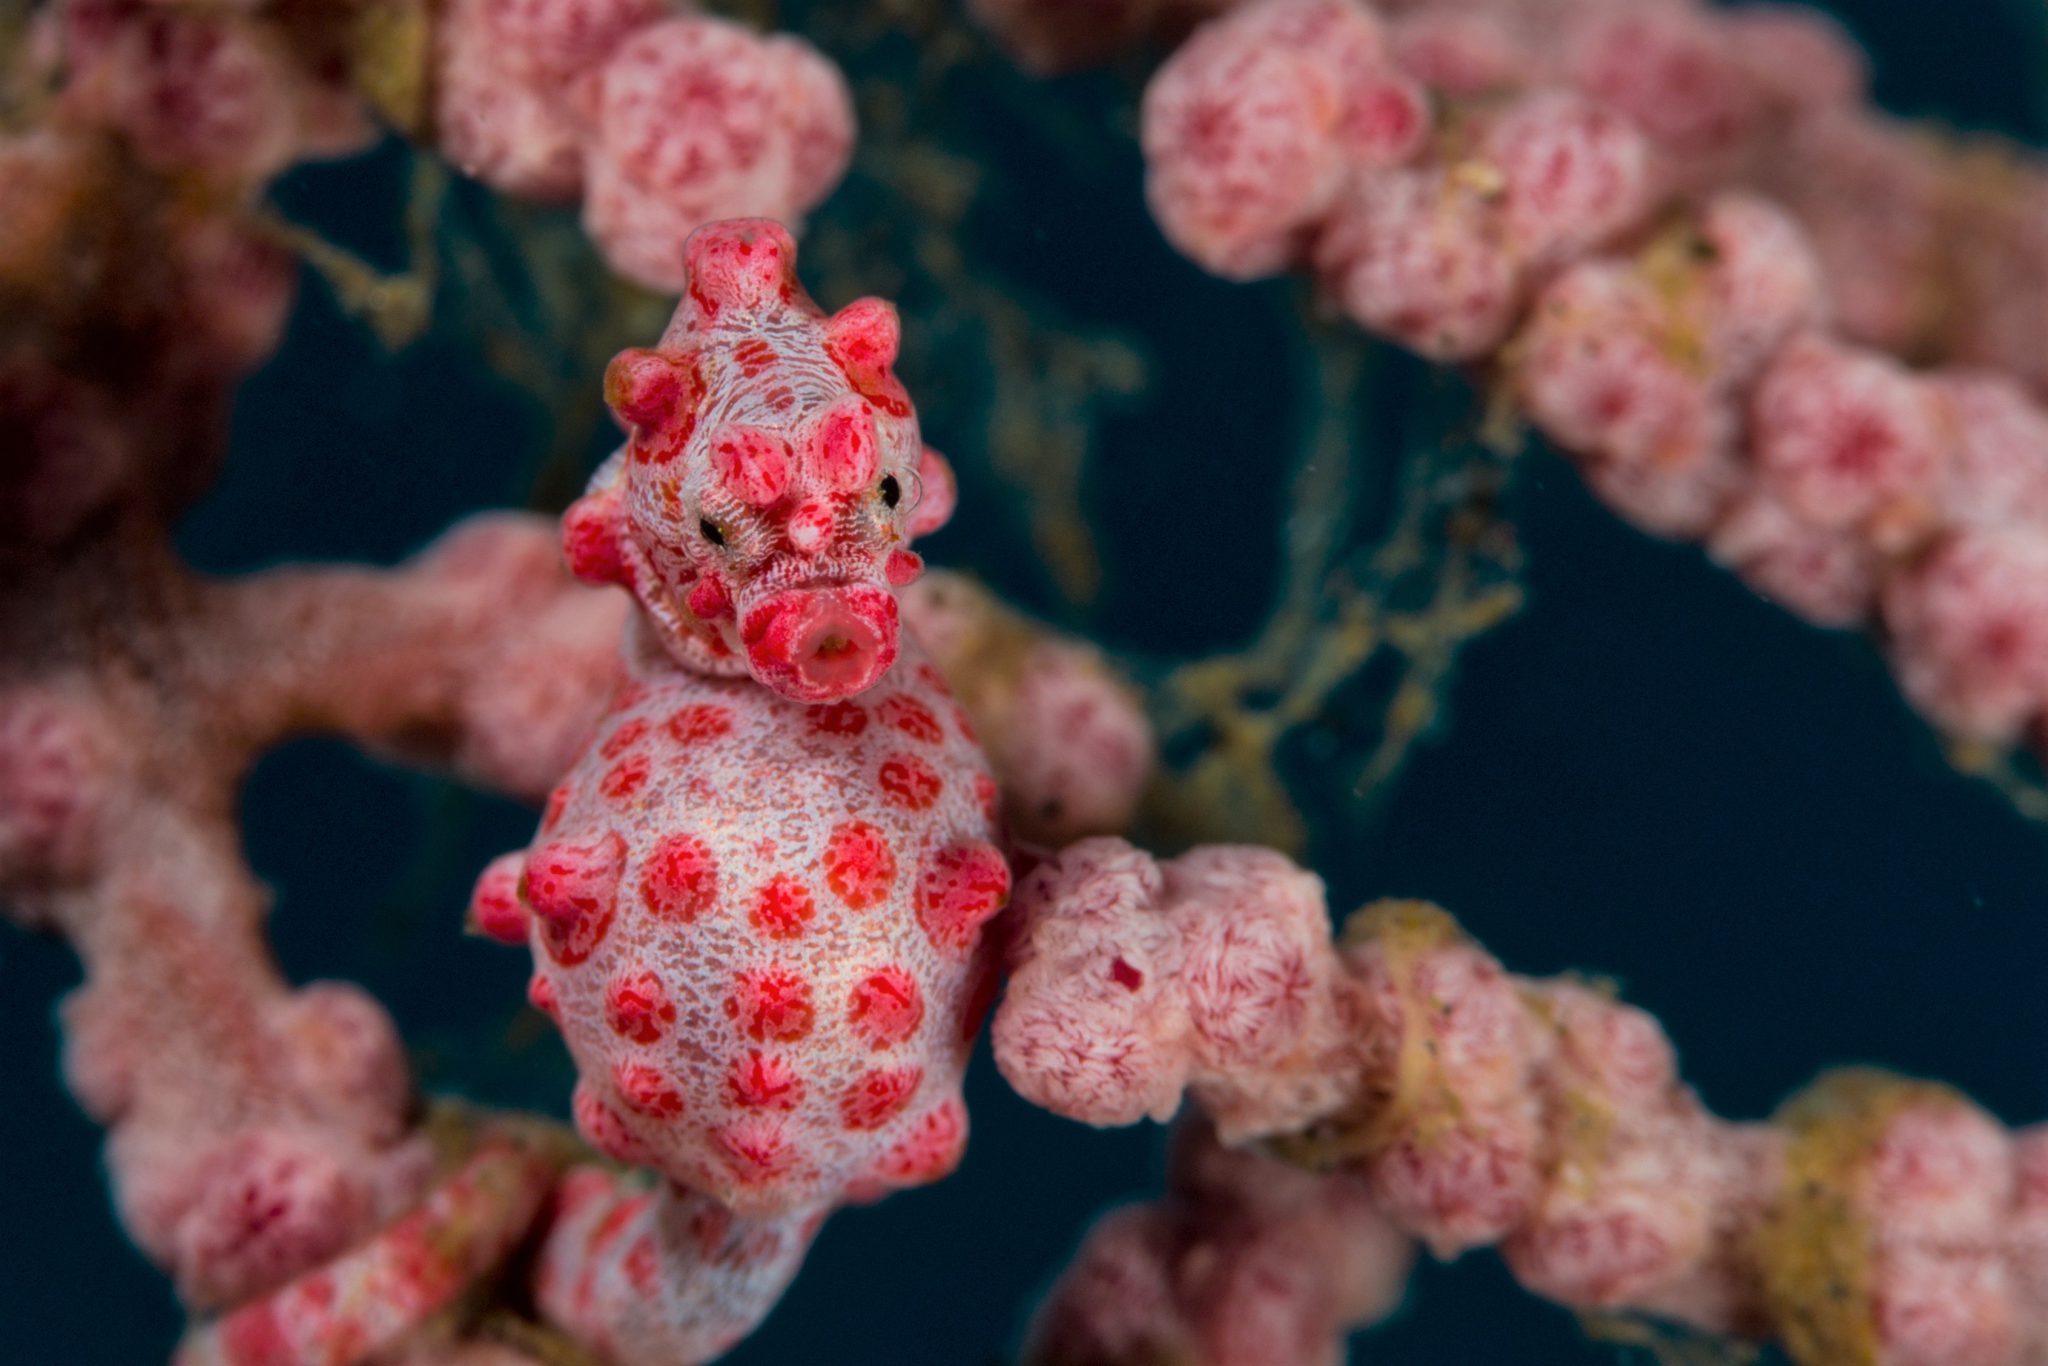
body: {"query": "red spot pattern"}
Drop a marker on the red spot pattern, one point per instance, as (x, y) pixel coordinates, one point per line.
(931, 1150)
(910, 782)
(642, 1266)
(681, 879)
(912, 717)
(637, 1007)
(755, 1148)
(846, 451)
(601, 1126)
(879, 1096)
(646, 1091)
(860, 868)
(625, 778)
(558, 802)
(987, 796)
(540, 994)
(590, 544)
(710, 600)
(1126, 976)
(886, 1007)
(623, 739)
(764, 1081)
(783, 908)
(838, 718)
(773, 1003)
(573, 888)
(752, 465)
(698, 722)
(961, 887)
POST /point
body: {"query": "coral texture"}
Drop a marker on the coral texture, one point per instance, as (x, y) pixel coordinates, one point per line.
(659, 122)
(1873, 1220)
(1686, 360)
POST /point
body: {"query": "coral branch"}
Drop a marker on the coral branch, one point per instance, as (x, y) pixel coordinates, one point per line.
(1873, 1220)
(1246, 1262)
(660, 124)
(1683, 362)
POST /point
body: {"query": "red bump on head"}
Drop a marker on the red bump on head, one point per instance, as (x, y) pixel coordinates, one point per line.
(740, 265)
(886, 1007)
(494, 907)
(845, 446)
(592, 531)
(572, 887)
(865, 333)
(809, 526)
(903, 568)
(962, 886)
(643, 387)
(820, 644)
(751, 464)
(937, 493)
(861, 340)
(709, 600)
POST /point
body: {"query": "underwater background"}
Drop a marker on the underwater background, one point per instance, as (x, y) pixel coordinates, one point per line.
(1642, 772)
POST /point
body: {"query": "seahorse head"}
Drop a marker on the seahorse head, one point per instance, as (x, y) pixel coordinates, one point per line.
(773, 478)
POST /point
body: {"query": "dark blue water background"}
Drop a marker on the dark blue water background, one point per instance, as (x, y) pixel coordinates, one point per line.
(1650, 773)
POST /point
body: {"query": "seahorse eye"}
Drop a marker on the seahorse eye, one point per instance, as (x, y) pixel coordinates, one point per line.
(892, 492)
(710, 532)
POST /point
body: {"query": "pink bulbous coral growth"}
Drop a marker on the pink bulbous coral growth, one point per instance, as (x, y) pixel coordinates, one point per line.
(1933, 247)
(660, 120)
(1414, 1085)
(1584, 210)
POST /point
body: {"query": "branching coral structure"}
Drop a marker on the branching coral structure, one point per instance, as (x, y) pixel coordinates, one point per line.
(809, 814)
(1874, 1220)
